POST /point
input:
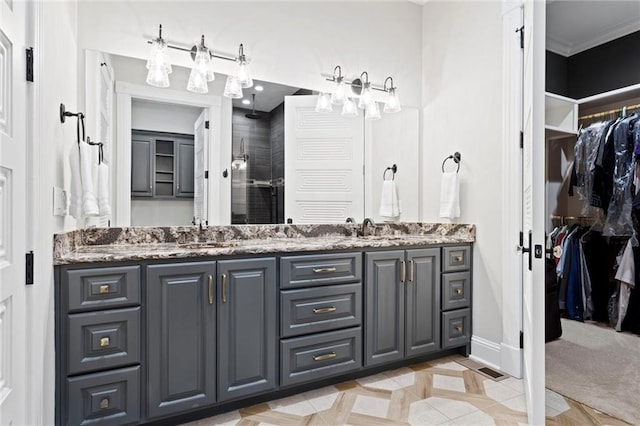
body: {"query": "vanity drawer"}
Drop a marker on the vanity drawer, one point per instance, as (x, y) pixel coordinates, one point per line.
(109, 398)
(320, 355)
(323, 269)
(456, 290)
(456, 328)
(99, 340)
(456, 258)
(311, 310)
(100, 288)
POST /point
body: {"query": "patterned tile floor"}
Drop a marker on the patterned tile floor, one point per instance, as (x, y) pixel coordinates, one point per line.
(438, 392)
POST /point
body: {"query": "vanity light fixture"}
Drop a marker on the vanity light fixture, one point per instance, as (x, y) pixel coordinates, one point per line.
(362, 87)
(159, 67)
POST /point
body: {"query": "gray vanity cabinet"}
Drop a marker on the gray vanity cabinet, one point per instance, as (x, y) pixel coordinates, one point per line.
(185, 184)
(402, 293)
(181, 337)
(141, 173)
(247, 327)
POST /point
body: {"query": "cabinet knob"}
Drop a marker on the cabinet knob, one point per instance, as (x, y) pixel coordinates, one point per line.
(105, 289)
(458, 291)
(459, 328)
(104, 403)
(458, 259)
(104, 342)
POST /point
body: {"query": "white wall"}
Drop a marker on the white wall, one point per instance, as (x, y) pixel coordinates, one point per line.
(462, 101)
(163, 117)
(56, 80)
(288, 42)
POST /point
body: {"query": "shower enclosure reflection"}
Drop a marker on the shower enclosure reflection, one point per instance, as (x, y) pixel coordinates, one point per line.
(257, 166)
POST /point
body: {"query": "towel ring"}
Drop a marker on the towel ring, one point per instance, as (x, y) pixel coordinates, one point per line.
(456, 157)
(393, 169)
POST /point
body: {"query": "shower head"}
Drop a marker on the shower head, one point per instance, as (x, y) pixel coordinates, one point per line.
(253, 115)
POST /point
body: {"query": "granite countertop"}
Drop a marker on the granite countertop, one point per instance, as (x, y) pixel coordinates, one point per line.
(145, 243)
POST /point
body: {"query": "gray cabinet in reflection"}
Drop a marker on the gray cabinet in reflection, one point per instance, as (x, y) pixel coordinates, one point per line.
(181, 337)
(402, 292)
(247, 327)
(161, 164)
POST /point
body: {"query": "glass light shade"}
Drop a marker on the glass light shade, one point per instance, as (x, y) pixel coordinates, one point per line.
(372, 112)
(159, 56)
(232, 88)
(158, 76)
(349, 108)
(365, 96)
(339, 96)
(197, 81)
(239, 164)
(392, 103)
(203, 63)
(324, 103)
(244, 74)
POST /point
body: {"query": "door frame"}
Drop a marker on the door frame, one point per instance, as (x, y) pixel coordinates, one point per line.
(219, 140)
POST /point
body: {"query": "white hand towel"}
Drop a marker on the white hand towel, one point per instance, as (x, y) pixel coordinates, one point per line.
(389, 203)
(103, 190)
(75, 194)
(449, 195)
(89, 201)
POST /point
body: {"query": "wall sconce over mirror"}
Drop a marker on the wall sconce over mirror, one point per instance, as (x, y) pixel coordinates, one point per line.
(202, 72)
(361, 87)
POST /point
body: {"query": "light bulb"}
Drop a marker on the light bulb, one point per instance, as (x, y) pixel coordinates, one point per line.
(244, 74)
(159, 55)
(232, 88)
(339, 96)
(158, 76)
(392, 103)
(372, 112)
(349, 108)
(197, 81)
(365, 96)
(203, 63)
(323, 103)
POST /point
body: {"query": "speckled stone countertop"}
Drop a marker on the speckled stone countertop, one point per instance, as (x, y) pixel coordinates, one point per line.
(144, 243)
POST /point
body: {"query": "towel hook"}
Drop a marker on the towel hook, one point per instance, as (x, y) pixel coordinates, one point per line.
(456, 157)
(393, 169)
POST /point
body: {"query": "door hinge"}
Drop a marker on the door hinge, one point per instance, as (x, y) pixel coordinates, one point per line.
(521, 340)
(521, 140)
(206, 124)
(29, 56)
(29, 268)
(206, 174)
(521, 31)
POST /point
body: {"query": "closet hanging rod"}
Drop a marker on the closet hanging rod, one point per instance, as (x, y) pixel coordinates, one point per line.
(605, 113)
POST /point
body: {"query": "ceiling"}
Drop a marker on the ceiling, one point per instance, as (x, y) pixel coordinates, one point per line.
(574, 26)
(272, 95)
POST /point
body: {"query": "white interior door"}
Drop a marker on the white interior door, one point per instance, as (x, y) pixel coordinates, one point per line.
(533, 209)
(323, 157)
(200, 144)
(12, 211)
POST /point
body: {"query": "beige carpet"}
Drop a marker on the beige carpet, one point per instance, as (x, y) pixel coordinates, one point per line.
(597, 366)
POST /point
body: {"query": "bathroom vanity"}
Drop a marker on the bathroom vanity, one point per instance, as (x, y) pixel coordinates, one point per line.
(160, 324)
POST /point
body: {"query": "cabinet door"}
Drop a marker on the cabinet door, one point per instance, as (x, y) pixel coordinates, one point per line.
(181, 333)
(384, 308)
(422, 286)
(184, 185)
(246, 327)
(141, 166)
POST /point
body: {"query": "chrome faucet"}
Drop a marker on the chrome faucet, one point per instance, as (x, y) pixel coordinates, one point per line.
(366, 223)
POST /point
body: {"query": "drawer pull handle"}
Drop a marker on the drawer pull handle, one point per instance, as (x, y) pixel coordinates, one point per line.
(403, 273)
(323, 270)
(324, 310)
(210, 290)
(224, 288)
(105, 289)
(458, 259)
(104, 342)
(324, 356)
(411, 271)
(104, 403)
(458, 291)
(459, 328)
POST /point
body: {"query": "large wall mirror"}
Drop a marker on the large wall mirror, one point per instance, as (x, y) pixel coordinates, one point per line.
(180, 158)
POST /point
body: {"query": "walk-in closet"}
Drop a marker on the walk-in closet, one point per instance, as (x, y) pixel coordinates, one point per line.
(592, 118)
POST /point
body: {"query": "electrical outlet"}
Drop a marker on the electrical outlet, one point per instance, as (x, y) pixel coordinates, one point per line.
(60, 202)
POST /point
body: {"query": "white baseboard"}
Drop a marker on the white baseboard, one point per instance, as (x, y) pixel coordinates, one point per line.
(486, 352)
(511, 360)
